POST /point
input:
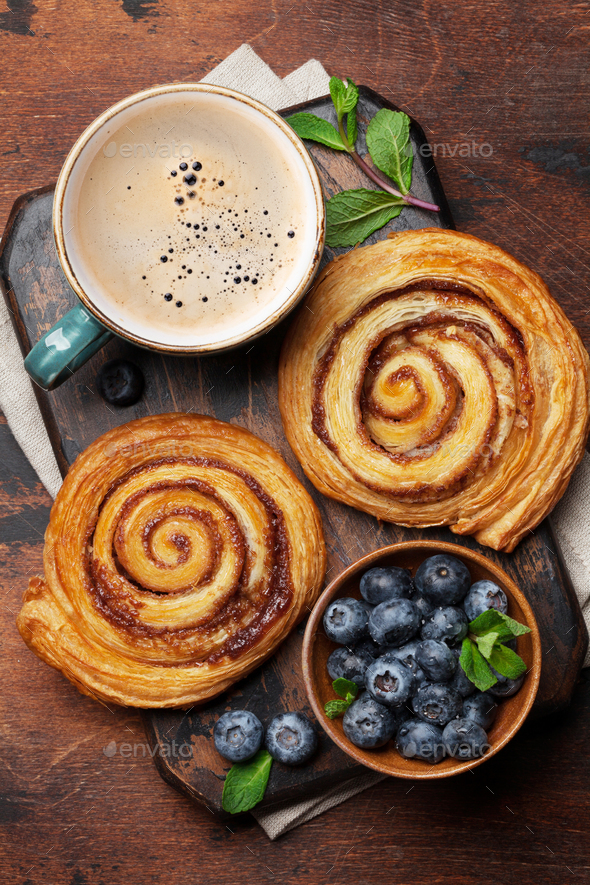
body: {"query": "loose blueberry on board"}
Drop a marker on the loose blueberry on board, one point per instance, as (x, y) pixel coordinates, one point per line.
(505, 687)
(424, 607)
(394, 622)
(482, 596)
(345, 621)
(421, 740)
(447, 623)
(382, 584)
(442, 579)
(460, 681)
(238, 735)
(437, 703)
(345, 663)
(291, 738)
(389, 682)
(480, 708)
(368, 724)
(436, 660)
(120, 382)
(465, 739)
(406, 654)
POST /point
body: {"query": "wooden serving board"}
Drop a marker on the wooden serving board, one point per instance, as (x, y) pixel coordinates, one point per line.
(241, 387)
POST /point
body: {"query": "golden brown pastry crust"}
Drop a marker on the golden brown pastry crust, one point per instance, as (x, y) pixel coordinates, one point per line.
(431, 379)
(180, 552)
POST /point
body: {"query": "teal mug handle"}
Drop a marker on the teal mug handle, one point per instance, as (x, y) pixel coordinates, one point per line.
(66, 347)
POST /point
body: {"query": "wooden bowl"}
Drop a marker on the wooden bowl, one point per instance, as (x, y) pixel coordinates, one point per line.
(316, 648)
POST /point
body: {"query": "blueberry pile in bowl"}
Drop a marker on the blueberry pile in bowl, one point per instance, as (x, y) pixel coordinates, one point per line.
(396, 628)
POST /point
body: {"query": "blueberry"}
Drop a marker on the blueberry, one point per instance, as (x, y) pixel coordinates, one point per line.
(421, 740)
(465, 739)
(424, 607)
(505, 687)
(120, 382)
(369, 645)
(238, 735)
(394, 622)
(345, 621)
(437, 703)
(291, 738)
(389, 681)
(480, 708)
(345, 663)
(460, 682)
(381, 584)
(368, 608)
(436, 659)
(442, 579)
(446, 623)
(482, 596)
(406, 654)
(368, 724)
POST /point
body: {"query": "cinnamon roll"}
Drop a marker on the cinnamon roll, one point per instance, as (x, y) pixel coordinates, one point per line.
(180, 552)
(431, 379)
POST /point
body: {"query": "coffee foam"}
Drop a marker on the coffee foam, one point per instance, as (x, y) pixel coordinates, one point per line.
(229, 255)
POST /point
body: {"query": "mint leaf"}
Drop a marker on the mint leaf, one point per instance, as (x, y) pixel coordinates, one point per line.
(505, 627)
(335, 708)
(488, 621)
(486, 643)
(388, 141)
(507, 662)
(344, 687)
(348, 691)
(316, 129)
(352, 216)
(345, 97)
(516, 628)
(245, 784)
(351, 127)
(474, 666)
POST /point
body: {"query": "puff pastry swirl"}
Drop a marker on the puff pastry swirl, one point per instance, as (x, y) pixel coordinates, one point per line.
(180, 552)
(431, 379)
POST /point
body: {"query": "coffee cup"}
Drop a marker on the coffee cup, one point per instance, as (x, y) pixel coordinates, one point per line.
(188, 219)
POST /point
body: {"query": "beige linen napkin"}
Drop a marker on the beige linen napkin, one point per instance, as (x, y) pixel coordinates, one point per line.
(245, 71)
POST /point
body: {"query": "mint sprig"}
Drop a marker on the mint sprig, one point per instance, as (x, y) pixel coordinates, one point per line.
(347, 692)
(245, 784)
(388, 142)
(484, 648)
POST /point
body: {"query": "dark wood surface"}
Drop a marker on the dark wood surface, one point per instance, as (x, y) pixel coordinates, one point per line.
(507, 75)
(242, 387)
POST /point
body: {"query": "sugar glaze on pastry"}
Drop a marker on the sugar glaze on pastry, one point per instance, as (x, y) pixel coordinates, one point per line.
(431, 379)
(180, 552)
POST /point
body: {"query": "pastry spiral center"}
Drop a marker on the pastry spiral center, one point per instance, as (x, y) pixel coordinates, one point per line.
(433, 388)
(189, 548)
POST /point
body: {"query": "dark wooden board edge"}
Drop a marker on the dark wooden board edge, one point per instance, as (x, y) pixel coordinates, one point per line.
(545, 535)
(18, 322)
(298, 790)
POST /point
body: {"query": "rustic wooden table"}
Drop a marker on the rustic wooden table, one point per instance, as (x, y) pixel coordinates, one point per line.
(500, 92)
